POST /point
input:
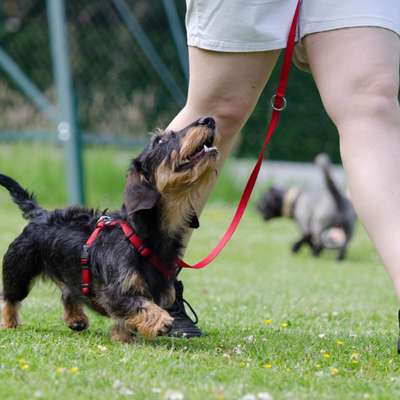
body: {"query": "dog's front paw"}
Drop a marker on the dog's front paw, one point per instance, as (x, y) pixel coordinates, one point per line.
(120, 333)
(151, 321)
(79, 325)
(77, 322)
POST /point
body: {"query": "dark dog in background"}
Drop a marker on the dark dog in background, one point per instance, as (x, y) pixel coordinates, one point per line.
(325, 217)
(161, 185)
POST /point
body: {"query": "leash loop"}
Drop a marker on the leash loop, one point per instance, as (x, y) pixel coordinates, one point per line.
(278, 103)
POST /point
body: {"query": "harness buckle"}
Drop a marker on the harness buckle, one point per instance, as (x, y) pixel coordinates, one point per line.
(144, 251)
(104, 220)
(85, 252)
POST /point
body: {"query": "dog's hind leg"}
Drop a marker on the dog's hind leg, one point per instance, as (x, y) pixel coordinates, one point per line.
(74, 316)
(316, 248)
(342, 252)
(20, 267)
(303, 240)
(9, 315)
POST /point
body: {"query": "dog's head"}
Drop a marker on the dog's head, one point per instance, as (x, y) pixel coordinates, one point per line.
(171, 170)
(271, 203)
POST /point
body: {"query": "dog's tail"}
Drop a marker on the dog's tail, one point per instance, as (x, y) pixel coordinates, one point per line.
(24, 200)
(323, 161)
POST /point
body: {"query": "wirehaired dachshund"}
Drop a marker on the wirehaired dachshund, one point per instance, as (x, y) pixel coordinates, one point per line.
(162, 184)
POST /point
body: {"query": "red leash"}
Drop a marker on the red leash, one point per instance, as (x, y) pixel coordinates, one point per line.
(278, 104)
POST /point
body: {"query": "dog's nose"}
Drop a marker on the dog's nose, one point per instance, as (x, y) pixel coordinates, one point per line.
(208, 121)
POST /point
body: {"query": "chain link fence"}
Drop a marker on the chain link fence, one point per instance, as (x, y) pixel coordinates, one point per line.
(128, 67)
(126, 81)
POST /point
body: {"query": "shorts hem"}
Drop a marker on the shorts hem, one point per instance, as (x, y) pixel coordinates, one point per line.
(309, 27)
(234, 47)
(306, 28)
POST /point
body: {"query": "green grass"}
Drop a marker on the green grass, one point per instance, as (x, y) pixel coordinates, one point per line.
(293, 326)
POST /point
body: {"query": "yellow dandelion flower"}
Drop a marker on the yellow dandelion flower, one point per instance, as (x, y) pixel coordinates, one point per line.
(284, 325)
(339, 342)
(334, 371)
(23, 366)
(354, 356)
(326, 355)
(268, 366)
(267, 321)
(318, 365)
(74, 370)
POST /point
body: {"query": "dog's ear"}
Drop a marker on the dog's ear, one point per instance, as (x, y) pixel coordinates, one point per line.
(139, 194)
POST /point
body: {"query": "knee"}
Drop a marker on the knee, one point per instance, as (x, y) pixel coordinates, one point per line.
(368, 97)
(230, 113)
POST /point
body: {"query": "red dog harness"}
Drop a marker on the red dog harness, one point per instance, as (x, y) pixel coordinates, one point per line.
(107, 222)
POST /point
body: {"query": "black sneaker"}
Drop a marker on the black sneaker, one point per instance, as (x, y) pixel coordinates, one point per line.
(183, 326)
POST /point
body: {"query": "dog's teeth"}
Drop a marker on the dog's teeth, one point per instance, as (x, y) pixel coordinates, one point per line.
(207, 149)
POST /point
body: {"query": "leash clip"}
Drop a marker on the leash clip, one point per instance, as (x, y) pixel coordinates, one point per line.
(276, 98)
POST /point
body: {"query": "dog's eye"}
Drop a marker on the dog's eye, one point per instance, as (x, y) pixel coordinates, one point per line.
(159, 140)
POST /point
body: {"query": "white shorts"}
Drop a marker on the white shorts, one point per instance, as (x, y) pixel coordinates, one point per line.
(261, 25)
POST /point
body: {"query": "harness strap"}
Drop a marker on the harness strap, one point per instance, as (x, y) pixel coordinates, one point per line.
(107, 222)
(143, 250)
(278, 103)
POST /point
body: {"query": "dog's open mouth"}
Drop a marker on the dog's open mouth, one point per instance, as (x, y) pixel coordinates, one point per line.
(204, 150)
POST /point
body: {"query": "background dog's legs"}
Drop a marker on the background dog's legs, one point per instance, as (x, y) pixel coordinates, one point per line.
(20, 267)
(343, 250)
(74, 316)
(316, 247)
(342, 253)
(303, 240)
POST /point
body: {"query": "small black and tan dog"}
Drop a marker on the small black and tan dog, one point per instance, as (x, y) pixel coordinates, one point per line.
(162, 184)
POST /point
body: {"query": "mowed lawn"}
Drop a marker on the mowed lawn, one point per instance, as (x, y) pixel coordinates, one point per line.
(295, 327)
(292, 326)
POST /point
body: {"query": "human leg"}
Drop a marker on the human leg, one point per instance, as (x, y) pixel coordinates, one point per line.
(225, 86)
(357, 73)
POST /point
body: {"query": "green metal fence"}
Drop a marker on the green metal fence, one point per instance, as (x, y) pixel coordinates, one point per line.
(108, 71)
(86, 71)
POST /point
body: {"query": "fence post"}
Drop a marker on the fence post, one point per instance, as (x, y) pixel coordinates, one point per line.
(178, 35)
(68, 129)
